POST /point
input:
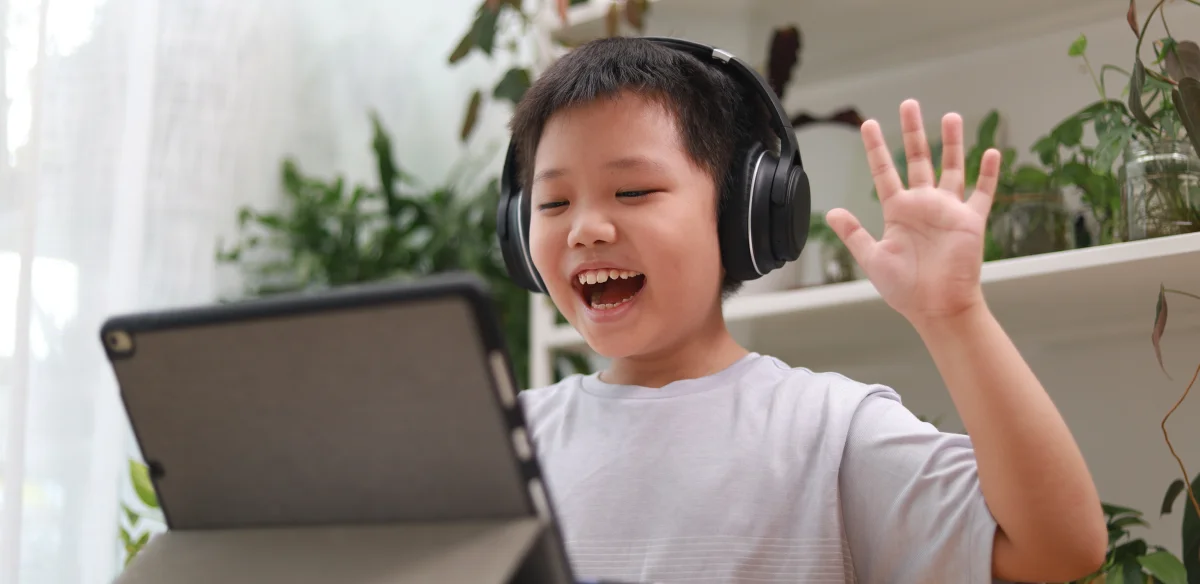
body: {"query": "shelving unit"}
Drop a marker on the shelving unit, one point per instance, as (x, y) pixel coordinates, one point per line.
(1043, 301)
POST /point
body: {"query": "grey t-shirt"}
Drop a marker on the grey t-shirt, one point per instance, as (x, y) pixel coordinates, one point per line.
(760, 473)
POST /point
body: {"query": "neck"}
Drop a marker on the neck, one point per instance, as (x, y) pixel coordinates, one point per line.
(705, 352)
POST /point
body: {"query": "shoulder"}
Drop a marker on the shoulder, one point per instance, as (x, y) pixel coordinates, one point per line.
(538, 402)
(830, 390)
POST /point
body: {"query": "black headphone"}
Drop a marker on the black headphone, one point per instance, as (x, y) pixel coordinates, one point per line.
(758, 233)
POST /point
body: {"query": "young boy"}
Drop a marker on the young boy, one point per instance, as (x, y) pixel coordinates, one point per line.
(691, 459)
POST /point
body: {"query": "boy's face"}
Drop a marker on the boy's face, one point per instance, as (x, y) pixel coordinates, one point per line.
(623, 227)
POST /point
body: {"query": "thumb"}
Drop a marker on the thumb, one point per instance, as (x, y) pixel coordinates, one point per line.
(851, 232)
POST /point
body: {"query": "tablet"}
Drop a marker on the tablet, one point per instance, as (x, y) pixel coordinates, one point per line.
(375, 404)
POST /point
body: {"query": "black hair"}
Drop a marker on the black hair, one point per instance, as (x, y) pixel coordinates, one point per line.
(717, 117)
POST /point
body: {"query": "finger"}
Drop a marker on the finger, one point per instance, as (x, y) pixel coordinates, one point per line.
(851, 232)
(916, 146)
(883, 171)
(985, 188)
(953, 173)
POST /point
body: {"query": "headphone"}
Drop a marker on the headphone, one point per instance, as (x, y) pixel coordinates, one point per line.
(759, 231)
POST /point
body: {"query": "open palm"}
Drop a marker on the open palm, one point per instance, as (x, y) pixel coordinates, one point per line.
(927, 263)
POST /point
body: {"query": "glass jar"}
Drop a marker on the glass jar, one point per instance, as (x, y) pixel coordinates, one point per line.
(1031, 223)
(1161, 191)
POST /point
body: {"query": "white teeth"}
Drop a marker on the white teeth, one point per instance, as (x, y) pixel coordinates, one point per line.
(610, 306)
(601, 276)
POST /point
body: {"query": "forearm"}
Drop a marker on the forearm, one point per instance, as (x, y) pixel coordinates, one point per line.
(1031, 472)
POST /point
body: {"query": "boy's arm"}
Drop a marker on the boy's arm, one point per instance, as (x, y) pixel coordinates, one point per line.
(1032, 475)
(927, 267)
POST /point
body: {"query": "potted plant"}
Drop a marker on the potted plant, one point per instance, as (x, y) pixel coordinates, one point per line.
(1154, 136)
(1028, 215)
(1190, 529)
(837, 263)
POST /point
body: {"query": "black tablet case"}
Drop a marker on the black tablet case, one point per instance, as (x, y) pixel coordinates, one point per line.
(365, 434)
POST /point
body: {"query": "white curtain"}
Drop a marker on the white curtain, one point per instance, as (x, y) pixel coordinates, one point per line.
(132, 130)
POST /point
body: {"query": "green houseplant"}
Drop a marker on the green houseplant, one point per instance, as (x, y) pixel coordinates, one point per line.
(1027, 216)
(331, 235)
(138, 517)
(1153, 135)
(1190, 528)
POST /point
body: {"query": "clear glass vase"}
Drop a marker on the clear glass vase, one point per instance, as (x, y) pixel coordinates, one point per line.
(1161, 191)
(1030, 224)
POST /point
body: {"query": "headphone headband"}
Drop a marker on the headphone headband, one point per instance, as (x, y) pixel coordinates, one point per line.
(779, 120)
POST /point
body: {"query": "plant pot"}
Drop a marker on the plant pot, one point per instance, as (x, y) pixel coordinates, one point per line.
(837, 263)
(1031, 223)
(1161, 191)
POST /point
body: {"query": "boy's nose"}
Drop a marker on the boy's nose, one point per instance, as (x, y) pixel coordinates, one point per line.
(591, 229)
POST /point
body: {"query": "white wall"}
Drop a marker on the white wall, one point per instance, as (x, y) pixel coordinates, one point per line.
(1113, 410)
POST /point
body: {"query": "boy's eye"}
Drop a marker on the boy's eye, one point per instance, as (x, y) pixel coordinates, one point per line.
(632, 194)
(551, 205)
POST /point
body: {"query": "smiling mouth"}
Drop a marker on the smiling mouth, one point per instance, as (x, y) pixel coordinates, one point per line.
(606, 289)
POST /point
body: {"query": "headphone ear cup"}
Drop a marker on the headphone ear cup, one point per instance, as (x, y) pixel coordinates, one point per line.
(791, 213)
(744, 226)
(512, 218)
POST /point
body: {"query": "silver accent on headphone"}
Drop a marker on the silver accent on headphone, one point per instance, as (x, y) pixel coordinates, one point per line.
(722, 56)
(524, 249)
(750, 212)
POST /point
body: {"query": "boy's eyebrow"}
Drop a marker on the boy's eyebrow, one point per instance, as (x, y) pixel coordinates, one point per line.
(624, 163)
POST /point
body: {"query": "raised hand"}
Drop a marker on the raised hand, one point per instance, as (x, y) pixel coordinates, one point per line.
(926, 265)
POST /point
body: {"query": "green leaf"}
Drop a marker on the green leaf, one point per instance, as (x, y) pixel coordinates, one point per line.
(1173, 491)
(986, 136)
(1124, 522)
(1187, 102)
(513, 85)
(1117, 510)
(1165, 567)
(1046, 148)
(1069, 132)
(130, 515)
(484, 29)
(1183, 60)
(1136, 84)
(472, 115)
(139, 475)
(1111, 146)
(1129, 551)
(1191, 536)
(464, 47)
(1030, 179)
(1160, 326)
(1078, 47)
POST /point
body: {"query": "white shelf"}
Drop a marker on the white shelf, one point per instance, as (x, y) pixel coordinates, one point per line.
(847, 36)
(1073, 296)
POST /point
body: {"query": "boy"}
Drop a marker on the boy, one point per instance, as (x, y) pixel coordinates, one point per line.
(690, 459)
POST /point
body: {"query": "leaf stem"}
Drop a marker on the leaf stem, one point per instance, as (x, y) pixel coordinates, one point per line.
(1137, 52)
(1181, 293)
(1186, 477)
(1095, 80)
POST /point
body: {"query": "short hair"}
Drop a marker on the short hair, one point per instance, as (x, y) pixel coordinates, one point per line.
(717, 117)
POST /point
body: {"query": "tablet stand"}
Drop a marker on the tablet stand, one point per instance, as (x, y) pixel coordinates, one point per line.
(515, 551)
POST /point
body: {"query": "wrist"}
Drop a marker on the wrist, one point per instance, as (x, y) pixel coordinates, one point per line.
(960, 324)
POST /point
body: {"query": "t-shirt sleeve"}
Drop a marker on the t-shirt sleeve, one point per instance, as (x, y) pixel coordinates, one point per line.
(911, 503)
